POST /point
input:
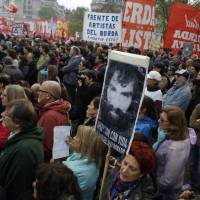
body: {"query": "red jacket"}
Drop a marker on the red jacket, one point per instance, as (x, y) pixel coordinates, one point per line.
(4, 133)
(51, 115)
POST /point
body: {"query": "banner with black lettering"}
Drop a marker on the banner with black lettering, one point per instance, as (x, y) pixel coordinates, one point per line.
(121, 99)
(138, 23)
(102, 27)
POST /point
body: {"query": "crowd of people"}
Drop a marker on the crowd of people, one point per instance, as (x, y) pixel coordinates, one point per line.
(45, 84)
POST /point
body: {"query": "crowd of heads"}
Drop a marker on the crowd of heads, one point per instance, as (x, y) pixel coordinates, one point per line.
(26, 85)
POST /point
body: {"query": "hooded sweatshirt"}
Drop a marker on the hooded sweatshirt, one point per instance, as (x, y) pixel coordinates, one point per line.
(51, 115)
(18, 161)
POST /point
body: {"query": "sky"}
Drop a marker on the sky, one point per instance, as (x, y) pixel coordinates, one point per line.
(75, 3)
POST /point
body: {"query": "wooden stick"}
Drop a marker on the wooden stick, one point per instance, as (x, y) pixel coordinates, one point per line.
(104, 174)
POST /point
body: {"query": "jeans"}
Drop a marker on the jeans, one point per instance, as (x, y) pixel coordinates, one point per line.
(194, 166)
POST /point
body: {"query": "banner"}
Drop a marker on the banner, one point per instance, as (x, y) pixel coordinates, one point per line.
(102, 27)
(183, 27)
(138, 23)
(3, 25)
(42, 27)
(121, 99)
(20, 29)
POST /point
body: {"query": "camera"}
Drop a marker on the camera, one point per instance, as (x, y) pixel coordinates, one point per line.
(81, 77)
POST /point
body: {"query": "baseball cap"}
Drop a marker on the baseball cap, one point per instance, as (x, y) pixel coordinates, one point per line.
(154, 75)
(183, 72)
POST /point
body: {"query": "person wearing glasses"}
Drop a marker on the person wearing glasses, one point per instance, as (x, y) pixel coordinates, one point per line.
(23, 151)
(53, 111)
(172, 152)
(10, 93)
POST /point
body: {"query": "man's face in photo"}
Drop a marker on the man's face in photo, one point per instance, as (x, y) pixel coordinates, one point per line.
(119, 96)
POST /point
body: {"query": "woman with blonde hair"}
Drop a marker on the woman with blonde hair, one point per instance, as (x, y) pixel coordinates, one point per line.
(86, 159)
(172, 153)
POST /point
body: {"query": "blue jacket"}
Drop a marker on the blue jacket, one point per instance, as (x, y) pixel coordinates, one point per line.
(146, 125)
(178, 96)
(86, 172)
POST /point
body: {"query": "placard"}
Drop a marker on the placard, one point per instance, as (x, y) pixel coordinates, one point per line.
(102, 27)
(60, 147)
(121, 99)
(138, 23)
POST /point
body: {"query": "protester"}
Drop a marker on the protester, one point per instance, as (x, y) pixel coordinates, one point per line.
(53, 111)
(88, 89)
(130, 181)
(91, 112)
(23, 151)
(153, 90)
(147, 120)
(42, 62)
(4, 81)
(86, 159)
(170, 170)
(194, 163)
(13, 71)
(195, 95)
(171, 74)
(180, 94)
(70, 72)
(86, 63)
(10, 93)
(55, 182)
(160, 67)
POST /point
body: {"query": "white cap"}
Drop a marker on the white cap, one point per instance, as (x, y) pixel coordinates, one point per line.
(154, 75)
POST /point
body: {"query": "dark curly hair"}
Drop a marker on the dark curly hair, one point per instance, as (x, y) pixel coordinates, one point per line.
(56, 182)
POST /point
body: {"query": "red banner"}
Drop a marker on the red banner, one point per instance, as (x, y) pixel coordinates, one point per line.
(138, 23)
(183, 26)
(3, 25)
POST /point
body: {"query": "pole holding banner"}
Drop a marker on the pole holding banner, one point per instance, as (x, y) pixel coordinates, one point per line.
(104, 174)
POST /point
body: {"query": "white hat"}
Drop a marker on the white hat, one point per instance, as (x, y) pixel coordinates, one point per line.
(154, 75)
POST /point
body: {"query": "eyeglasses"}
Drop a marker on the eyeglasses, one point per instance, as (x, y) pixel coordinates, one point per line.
(48, 93)
(44, 91)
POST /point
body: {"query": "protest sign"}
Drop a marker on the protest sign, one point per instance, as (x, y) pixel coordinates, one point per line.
(3, 25)
(138, 23)
(121, 98)
(42, 27)
(183, 27)
(60, 147)
(102, 27)
(187, 49)
(20, 29)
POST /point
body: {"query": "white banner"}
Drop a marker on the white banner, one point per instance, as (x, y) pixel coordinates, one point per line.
(102, 27)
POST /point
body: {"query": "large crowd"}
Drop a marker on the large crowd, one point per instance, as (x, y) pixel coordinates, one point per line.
(45, 84)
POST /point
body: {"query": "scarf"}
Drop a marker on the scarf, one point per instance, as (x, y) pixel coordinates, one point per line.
(122, 190)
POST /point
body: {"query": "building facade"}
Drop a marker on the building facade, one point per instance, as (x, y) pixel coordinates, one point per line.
(28, 9)
(106, 6)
